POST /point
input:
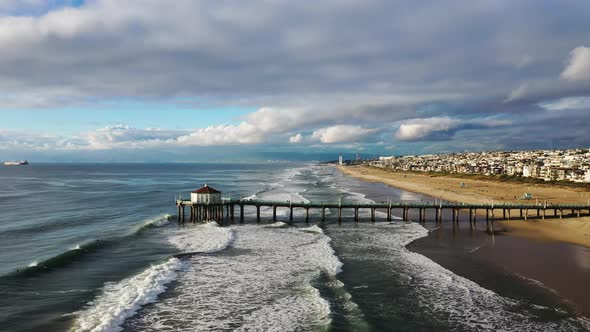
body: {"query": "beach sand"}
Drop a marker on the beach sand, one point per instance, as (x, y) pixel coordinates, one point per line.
(548, 257)
(569, 229)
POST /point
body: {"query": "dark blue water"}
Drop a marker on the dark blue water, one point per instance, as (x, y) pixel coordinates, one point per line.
(91, 248)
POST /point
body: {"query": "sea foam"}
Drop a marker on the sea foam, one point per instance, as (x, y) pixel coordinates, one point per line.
(123, 299)
(263, 282)
(206, 238)
(437, 292)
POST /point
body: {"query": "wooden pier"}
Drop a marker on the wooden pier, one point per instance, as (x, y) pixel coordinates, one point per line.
(226, 210)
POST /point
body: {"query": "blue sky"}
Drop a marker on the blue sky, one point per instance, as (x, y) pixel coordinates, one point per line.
(107, 80)
(73, 120)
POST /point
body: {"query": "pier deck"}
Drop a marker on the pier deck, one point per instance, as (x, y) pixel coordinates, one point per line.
(226, 210)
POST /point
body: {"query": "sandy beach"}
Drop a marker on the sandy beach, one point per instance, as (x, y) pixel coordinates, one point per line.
(570, 230)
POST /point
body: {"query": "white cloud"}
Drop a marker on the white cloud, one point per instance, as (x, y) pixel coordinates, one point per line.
(568, 103)
(417, 129)
(578, 67)
(244, 133)
(298, 138)
(520, 92)
(342, 134)
(442, 128)
(123, 136)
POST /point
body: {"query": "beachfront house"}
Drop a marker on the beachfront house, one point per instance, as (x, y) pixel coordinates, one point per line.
(206, 194)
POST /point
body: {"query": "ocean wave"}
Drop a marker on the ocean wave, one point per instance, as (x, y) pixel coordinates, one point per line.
(158, 221)
(278, 224)
(77, 251)
(272, 317)
(123, 299)
(63, 259)
(436, 292)
(205, 238)
(264, 282)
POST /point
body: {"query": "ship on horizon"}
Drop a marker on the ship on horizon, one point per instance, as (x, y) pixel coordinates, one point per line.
(16, 163)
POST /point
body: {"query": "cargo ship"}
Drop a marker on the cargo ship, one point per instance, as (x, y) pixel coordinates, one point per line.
(16, 163)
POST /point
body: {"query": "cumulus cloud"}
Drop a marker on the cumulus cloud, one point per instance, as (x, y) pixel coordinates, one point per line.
(342, 134)
(419, 129)
(298, 61)
(578, 67)
(123, 136)
(442, 128)
(298, 138)
(244, 133)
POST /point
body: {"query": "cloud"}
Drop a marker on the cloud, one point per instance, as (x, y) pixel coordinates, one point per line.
(520, 92)
(568, 103)
(419, 129)
(441, 128)
(575, 81)
(314, 78)
(578, 67)
(298, 138)
(105, 49)
(342, 134)
(244, 133)
(123, 136)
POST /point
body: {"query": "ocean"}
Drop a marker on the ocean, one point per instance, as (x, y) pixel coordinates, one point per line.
(96, 247)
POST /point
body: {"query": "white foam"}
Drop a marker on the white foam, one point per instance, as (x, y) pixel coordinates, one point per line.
(123, 299)
(438, 291)
(312, 229)
(273, 317)
(33, 264)
(158, 221)
(250, 198)
(263, 283)
(204, 238)
(278, 224)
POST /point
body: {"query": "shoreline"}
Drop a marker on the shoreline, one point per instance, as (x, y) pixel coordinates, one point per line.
(514, 262)
(569, 230)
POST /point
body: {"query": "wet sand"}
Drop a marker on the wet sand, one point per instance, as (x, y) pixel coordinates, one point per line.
(533, 260)
(570, 230)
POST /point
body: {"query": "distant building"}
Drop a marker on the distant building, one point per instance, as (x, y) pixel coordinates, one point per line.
(564, 165)
(340, 159)
(206, 194)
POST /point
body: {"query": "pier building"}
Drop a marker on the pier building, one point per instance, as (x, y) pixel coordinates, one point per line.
(206, 195)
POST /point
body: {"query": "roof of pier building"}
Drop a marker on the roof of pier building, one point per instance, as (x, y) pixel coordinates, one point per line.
(206, 190)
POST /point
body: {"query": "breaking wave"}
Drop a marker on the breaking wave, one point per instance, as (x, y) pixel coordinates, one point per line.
(205, 238)
(78, 251)
(123, 299)
(242, 287)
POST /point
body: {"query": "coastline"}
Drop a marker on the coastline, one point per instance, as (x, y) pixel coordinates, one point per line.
(513, 263)
(568, 230)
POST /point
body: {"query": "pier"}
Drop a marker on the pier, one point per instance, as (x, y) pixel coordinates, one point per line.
(226, 210)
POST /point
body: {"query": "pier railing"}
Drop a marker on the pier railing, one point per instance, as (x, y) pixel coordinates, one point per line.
(225, 210)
